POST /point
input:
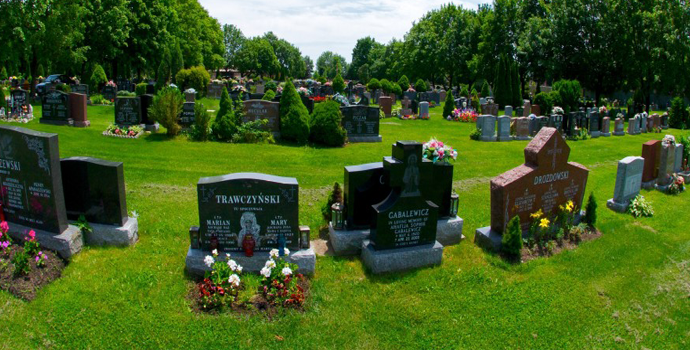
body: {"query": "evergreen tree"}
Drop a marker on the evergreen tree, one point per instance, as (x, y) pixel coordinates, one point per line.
(448, 105)
(486, 91)
(225, 125)
(591, 211)
(294, 116)
(404, 83)
(176, 61)
(338, 84)
(517, 89)
(512, 238)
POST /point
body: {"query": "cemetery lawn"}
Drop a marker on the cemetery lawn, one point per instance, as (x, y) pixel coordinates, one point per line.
(628, 289)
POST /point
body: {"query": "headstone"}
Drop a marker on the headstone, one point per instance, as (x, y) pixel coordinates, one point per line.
(19, 98)
(260, 89)
(236, 205)
(94, 188)
(56, 108)
(386, 104)
(488, 128)
(361, 123)
(109, 93)
(606, 127)
(534, 126)
(536, 110)
(31, 179)
(504, 129)
(667, 163)
(664, 121)
(442, 95)
(490, 109)
(146, 102)
(259, 109)
(546, 181)
(508, 110)
(81, 89)
(410, 95)
(678, 166)
(628, 183)
(482, 101)
(651, 151)
(643, 124)
(522, 129)
(424, 110)
(556, 121)
(656, 121)
(365, 185)
(526, 109)
(215, 90)
(406, 110)
(127, 111)
(542, 122)
(187, 115)
(594, 128)
(572, 124)
(650, 124)
(77, 107)
(619, 127)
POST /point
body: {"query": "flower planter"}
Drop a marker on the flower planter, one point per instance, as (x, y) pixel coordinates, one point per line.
(106, 133)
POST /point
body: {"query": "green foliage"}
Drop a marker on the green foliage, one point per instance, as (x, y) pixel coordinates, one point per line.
(294, 116)
(163, 75)
(201, 129)
(98, 99)
(166, 109)
(640, 207)
(140, 89)
(464, 92)
(448, 105)
(336, 196)
(404, 83)
(3, 103)
(20, 260)
(83, 225)
(374, 84)
(543, 100)
(555, 100)
(476, 135)
(396, 89)
(63, 87)
(512, 238)
(253, 132)
(486, 90)
(503, 91)
(421, 86)
(40, 72)
(386, 86)
(269, 95)
(338, 84)
(516, 86)
(176, 61)
(3, 74)
(225, 124)
(591, 211)
(196, 78)
(325, 125)
(570, 91)
(98, 78)
(679, 117)
(271, 85)
(685, 141)
(125, 93)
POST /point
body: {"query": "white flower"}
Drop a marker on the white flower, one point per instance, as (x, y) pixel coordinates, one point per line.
(287, 251)
(232, 265)
(286, 271)
(208, 260)
(238, 269)
(274, 253)
(266, 272)
(270, 264)
(234, 280)
(227, 255)
(215, 252)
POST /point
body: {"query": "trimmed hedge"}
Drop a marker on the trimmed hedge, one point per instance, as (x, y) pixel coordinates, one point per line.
(325, 125)
(294, 116)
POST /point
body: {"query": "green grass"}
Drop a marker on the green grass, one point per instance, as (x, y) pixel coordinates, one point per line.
(629, 289)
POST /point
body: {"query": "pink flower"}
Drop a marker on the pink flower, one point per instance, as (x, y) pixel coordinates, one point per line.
(32, 234)
(4, 227)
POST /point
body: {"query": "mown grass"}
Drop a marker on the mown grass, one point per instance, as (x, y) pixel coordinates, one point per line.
(629, 289)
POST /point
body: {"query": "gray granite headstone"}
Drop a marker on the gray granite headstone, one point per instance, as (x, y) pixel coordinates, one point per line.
(488, 128)
(504, 129)
(508, 110)
(619, 127)
(678, 166)
(424, 110)
(594, 129)
(666, 163)
(606, 127)
(628, 183)
(522, 128)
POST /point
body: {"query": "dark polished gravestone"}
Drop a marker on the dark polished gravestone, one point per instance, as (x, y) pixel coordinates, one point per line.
(240, 207)
(32, 196)
(258, 109)
(546, 181)
(361, 123)
(127, 111)
(187, 115)
(80, 89)
(146, 101)
(368, 186)
(19, 98)
(56, 108)
(109, 93)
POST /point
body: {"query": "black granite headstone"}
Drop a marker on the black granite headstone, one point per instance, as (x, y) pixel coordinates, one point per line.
(146, 102)
(94, 188)
(19, 97)
(31, 179)
(365, 185)
(187, 116)
(109, 93)
(81, 89)
(127, 111)
(235, 205)
(56, 107)
(361, 120)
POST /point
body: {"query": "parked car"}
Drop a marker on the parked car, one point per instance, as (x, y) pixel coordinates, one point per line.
(54, 79)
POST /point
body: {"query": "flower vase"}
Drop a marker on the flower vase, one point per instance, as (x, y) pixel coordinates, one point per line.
(248, 245)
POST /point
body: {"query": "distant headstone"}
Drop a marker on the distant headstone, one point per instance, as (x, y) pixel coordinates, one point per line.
(411, 95)
(19, 98)
(606, 127)
(361, 123)
(259, 109)
(594, 128)
(522, 129)
(109, 93)
(556, 121)
(664, 121)
(526, 109)
(643, 124)
(619, 127)
(56, 108)
(386, 104)
(94, 188)
(678, 166)
(127, 111)
(508, 110)
(490, 109)
(628, 183)
(81, 89)
(187, 115)
(667, 163)
(215, 90)
(236, 205)
(424, 110)
(488, 128)
(651, 152)
(504, 129)
(77, 108)
(536, 110)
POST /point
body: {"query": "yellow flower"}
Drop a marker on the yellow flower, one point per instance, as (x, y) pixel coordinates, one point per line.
(537, 215)
(544, 223)
(570, 206)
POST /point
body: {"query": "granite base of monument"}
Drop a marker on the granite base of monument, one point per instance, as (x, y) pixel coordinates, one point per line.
(305, 259)
(113, 236)
(492, 241)
(349, 242)
(663, 189)
(685, 175)
(401, 259)
(65, 244)
(619, 133)
(53, 122)
(504, 138)
(81, 124)
(364, 139)
(605, 134)
(649, 185)
(488, 138)
(617, 207)
(595, 134)
(522, 138)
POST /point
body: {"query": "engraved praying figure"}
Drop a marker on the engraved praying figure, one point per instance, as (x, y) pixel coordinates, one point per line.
(411, 178)
(249, 227)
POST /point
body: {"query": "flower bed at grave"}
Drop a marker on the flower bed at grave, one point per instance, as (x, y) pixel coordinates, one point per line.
(17, 119)
(26, 269)
(222, 288)
(131, 132)
(466, 116)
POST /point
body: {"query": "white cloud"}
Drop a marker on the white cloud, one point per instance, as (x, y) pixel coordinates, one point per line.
(320, 25)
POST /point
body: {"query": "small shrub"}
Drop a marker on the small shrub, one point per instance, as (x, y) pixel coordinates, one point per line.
(200, 129)
(3, 74)
(449, 105)
(641, 207)
(3, 103)
(397, 90)
(336, 196)
(486, 91)
(464, 92)
(421, 86)
(125, 93)
(253, 132)
(404, 83)
(555, 99)
(543, 99)
(679, 118)
(338, 84)
(225, 124)
(140, 89)
(20, 260)
(374, 84)
(63, 87)
(325, 125)
(166, 109)
(98, 78)
(195, 77)
(98, 99)
(271, 86)
(386, 86)
(294, 116)
(476, 135)
(269, 95)
(512, 238)
(591, 211)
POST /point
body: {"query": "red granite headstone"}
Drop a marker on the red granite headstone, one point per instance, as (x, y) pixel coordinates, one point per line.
(78, 110)
(386, 104)
(536, 110)
(546, 181)
(650, 153)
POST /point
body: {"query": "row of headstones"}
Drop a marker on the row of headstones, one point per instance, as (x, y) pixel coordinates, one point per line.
(60, 108)
(61, 190)
(18, 104)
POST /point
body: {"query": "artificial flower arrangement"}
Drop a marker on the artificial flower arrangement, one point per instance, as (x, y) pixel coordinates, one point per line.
(239, 88)
(437, 151)
(24, 117)
(677, 184)
(190, 91)
(465, 115)
(405, 116)
(221, 285)
(131, 132)
(280, 285)
(558, 110)
(279, 89)
(111, 84)
(603, 110)
(304, 92)
(319, 98)
(341, 99)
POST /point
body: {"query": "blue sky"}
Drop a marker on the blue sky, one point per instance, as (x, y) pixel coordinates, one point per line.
(320, 25)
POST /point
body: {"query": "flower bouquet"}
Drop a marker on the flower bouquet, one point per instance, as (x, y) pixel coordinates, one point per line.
(437, 151)
(558, 110)
(304, 92)
(131, 132)
(677, 184)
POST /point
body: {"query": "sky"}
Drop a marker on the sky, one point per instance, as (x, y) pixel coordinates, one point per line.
(320, 25)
